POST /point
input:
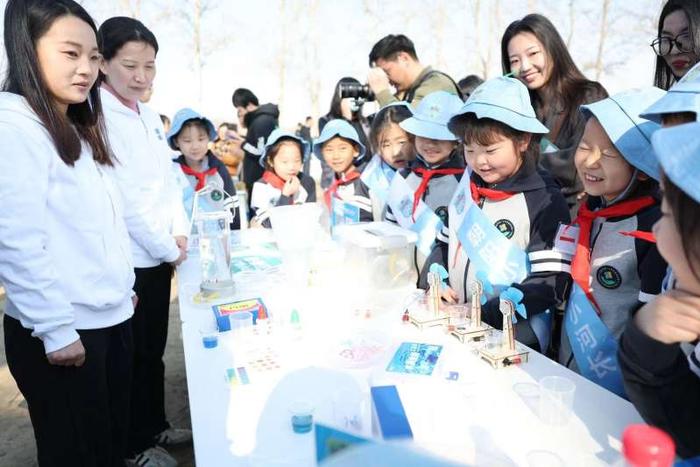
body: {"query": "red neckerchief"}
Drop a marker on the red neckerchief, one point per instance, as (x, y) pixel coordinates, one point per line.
(581, 264)
(478, 194)
(273, 179)
(642, 235)
(200, 176)
(343, 180)
(427, 174)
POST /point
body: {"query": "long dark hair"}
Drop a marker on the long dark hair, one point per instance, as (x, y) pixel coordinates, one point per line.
(335, 112)
(686, 215)
(26, 21)
(663, 76)
(567, 87)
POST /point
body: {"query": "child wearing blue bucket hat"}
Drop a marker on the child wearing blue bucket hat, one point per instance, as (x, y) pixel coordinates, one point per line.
(681, 104)
(661, 380)
(393, 150)
(419, 195)
(616, 266)
(283, 183)
(190, 133)
(504, 216)
(348, 197)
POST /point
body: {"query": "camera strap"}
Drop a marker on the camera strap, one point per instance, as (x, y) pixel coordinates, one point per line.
(411, 93)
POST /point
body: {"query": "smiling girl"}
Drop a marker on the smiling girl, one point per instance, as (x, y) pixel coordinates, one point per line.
(393, 150)
(616, 268)
(533, 50)
(419, 195)
(348, 197)
(503, 220)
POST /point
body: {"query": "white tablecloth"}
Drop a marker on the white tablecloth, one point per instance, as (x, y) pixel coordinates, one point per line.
(484, 416)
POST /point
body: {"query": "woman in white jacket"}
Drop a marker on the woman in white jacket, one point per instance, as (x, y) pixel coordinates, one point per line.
(155, 218)
(64, 248)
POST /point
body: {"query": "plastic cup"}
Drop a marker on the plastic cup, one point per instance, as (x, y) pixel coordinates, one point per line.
(348, 407)
(210, 335)
(241, 323)
(556, 400)
(456, 316)
(302, 416)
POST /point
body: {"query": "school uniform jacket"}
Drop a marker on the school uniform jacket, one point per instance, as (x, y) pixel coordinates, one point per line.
(664, 386)
(529, 219)
(154, 212)
(356, 193)
(265, 197)
(64, 249)
(437, 196)
(626, 272)
(221, 179)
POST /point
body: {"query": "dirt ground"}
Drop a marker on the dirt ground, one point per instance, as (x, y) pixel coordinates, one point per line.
(17, 447)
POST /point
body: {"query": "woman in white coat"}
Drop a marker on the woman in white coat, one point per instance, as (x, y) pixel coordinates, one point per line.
(64, 249)
(155, 218)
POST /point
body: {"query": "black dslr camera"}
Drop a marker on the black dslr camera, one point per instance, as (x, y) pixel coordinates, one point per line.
(356, 91)
(359, 93)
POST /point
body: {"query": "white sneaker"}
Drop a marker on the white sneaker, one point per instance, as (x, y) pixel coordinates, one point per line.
(174, 436)
(153, 457)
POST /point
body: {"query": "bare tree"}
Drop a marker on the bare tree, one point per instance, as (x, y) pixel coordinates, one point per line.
(310, 43)
(282, 52)
(602, 37)
(439, 19)
(572, 24)
(192, 14)
(133, 7)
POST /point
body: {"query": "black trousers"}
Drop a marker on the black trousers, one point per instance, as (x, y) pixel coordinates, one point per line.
(150, 329)
(80, 415)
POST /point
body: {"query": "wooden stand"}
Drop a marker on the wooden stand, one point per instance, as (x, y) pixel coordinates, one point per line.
(476, 330)
(430, 315)
(471, 332)
(508, 352)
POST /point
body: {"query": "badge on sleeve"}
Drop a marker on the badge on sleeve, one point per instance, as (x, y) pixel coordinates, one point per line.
(566, 239)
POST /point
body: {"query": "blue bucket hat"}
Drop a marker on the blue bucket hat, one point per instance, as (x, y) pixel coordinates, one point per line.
(631, 135)
(504, 100)
(278, 134)
(431, 116)
(678, 151)
(183, 116)
(684, 96)
(342, 128)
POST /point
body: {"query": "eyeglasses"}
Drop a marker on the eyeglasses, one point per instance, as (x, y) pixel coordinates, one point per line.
(663, 45)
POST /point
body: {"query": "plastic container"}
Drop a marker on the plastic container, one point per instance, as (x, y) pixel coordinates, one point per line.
(378, 255)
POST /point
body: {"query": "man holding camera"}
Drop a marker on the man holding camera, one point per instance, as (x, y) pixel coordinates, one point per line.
(394, 63)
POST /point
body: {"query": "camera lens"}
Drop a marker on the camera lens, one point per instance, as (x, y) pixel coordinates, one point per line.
(356, 91)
